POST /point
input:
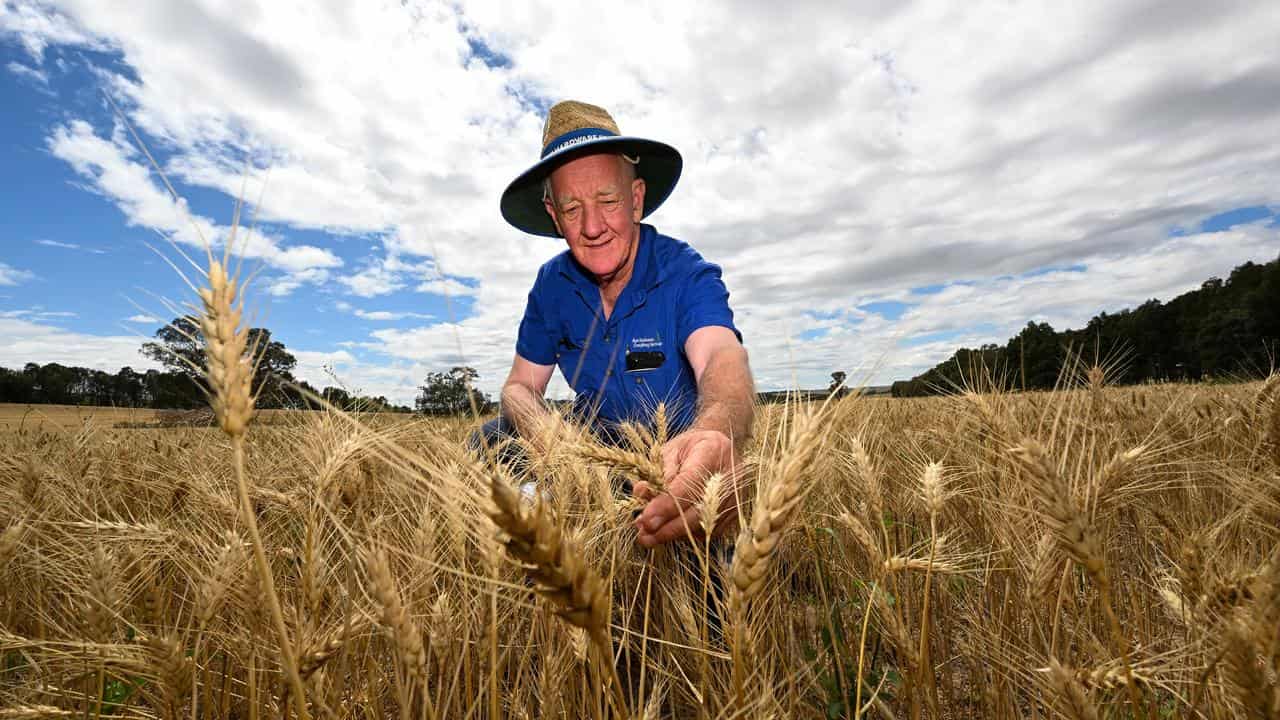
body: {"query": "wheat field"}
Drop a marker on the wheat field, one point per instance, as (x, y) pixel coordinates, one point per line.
(1085, 553)
(1093, 552)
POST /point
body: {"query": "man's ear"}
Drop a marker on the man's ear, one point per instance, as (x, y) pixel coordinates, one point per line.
(551, 210)
(637, 199)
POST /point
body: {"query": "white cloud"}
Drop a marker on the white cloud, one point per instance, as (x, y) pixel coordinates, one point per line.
(71, 246)
(389, 315)
(379, 315)
(446, 286)
(284, 284)
(372, 281)
(874, 159)
(10, 275)
(392, 273)
(36, 27)
(37, 313)
(397, 382)
(144, 319)
(113, 172)
(27, 341)
(38, 77)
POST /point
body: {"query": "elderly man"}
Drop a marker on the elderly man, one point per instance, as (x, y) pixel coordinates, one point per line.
(631, 317)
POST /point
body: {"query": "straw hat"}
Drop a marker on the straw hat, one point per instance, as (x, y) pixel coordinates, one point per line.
(575, 129)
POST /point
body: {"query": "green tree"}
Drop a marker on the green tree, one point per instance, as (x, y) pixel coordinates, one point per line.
(179, 346)
(450, 393)
(837, 381)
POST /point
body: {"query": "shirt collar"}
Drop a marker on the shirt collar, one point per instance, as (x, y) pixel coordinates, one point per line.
(646, 269)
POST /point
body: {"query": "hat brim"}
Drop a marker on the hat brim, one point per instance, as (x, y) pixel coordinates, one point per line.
(659, 167)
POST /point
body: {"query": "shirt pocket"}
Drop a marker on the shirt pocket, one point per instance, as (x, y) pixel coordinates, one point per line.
(571, 345)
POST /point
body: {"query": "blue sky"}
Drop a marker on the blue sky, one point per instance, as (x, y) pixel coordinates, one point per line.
(79, 245)
(874, 202)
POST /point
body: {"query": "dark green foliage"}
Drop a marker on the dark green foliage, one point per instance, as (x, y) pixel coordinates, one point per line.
(59, 384)
(451, 393)
(1225, 328)
(837, 381)
(179, 347)
(354, 402)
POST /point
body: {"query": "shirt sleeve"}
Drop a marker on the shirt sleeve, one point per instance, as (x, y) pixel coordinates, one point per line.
(534, 341)
(704, 302)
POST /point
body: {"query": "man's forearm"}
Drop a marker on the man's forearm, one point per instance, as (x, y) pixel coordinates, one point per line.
(522, 407)
(726, 395)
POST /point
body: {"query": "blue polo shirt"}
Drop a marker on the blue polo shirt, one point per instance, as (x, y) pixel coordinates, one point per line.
(622, 367)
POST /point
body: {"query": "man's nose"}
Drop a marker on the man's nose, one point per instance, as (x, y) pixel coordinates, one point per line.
(592, 221)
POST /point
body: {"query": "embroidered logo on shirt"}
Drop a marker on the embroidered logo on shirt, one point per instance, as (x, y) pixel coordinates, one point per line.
(646, 343)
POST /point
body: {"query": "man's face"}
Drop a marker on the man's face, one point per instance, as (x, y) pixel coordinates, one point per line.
(596, 203)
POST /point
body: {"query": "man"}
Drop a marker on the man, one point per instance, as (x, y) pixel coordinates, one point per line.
(631, 317)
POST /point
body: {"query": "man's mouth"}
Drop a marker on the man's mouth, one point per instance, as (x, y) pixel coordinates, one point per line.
(598, 244)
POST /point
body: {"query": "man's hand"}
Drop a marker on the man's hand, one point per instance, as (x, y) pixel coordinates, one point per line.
(687, 461)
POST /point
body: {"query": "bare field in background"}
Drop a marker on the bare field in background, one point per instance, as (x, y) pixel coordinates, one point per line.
(57, 418)
(1096, 552)
(63, 417)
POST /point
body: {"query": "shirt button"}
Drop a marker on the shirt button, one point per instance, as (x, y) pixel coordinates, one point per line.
(639, 381)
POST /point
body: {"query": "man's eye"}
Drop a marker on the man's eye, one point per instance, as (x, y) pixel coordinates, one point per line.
(570, 212)
(611, 201)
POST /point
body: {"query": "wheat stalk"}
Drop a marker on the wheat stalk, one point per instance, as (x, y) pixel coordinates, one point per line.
(229, 371)
(35, 712)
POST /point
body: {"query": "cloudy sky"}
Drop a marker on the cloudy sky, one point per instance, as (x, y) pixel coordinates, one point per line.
(881, 181)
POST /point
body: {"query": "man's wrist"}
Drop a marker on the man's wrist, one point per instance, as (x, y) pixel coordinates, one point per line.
(721, 423)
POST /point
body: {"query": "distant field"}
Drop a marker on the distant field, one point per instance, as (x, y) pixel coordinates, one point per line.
(73, 417)
(63, 417)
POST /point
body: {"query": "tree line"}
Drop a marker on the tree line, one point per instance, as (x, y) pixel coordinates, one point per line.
(1224, 329)
(179, 348)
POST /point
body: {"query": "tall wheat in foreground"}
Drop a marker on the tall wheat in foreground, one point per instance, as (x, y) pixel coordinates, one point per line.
(229, 372)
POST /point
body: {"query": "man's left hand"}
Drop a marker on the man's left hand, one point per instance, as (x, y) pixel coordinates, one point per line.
(687, 461)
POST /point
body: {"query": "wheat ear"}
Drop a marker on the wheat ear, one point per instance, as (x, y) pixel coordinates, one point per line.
(758, 541)
(1073, 701)
(172, 667)
(1076, 535)
(393, 614)
(1268, 403)
(10, 541)
(316, 655)
(104, 596)
(557, 568)
(642, 467)
(1253, 688)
